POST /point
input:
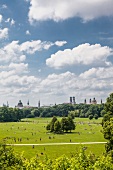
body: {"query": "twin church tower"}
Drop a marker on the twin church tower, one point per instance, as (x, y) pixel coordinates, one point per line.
(94, 101)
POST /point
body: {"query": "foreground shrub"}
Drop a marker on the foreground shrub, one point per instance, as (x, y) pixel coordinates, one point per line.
(9, 160)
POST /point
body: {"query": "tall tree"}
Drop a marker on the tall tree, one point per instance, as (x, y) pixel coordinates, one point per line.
(108, 107)
(108, 134)
(67, 124)
(57, 126)
(64, 124)
(107, 123)
(71, 124)
(51, 126)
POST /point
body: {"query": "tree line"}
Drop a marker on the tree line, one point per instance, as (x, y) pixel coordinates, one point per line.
(62, 110)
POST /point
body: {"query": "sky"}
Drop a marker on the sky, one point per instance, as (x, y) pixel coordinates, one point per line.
(51, 50)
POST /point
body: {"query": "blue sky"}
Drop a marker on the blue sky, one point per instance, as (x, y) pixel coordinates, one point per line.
(51, 50)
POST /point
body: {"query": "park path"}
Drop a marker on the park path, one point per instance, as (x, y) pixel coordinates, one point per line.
(45, 144)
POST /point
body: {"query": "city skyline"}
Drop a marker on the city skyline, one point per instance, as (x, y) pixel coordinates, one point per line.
(72, 100)
(51, 50)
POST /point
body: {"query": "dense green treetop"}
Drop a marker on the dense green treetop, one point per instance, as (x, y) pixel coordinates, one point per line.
(108, 108)
(107, 124)
(66, 124)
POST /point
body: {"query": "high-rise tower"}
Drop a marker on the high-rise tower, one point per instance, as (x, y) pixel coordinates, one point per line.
(85, 101)
(90, 101)
(39, 104)
(28, 103)
(71, 100)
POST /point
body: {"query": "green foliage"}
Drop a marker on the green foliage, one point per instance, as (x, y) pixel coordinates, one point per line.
(57, 126)
(9, 159)
(79, 161)
(10, 114)
(103, 112)
(108, 107)
(108, 134)
(26, 111)
(106, 117)
(76, 113)
(62, 110)
(82, 115)
(108, 130)
(66, 124)
(84, 110)
(71, 124)
(107, 123)
(51, 126)
(35, 112)
(30, 116)
(95, 116)
(48, 127)
(72, 114)
(91, 117)
(77, 110)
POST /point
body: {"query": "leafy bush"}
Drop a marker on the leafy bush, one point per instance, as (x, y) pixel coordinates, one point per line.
(30, 116)
(80, 161)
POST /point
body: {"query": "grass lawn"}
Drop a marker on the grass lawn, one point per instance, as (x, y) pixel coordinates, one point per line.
(33, 131)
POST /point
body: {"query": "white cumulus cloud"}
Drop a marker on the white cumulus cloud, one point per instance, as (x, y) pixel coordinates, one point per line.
(60, 43)
(100, 72)
(68, 84)
(15, 77)
(57, 83)
(1, 18)
(85, 54)
(32, 46)
(41, 10)
(3, 33)
(19, 68)
(17, 52)
(10, 52)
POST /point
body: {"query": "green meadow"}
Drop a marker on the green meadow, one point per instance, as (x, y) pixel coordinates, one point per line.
(33, 131)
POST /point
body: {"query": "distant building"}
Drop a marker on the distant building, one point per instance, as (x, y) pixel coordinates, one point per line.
(101, 101)
(6, 105)
(72, 100)
(85, 101)
(90, 101)
(39, 104)
(28, 106)
(28, 103)
(94, 101)
(19, 105)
